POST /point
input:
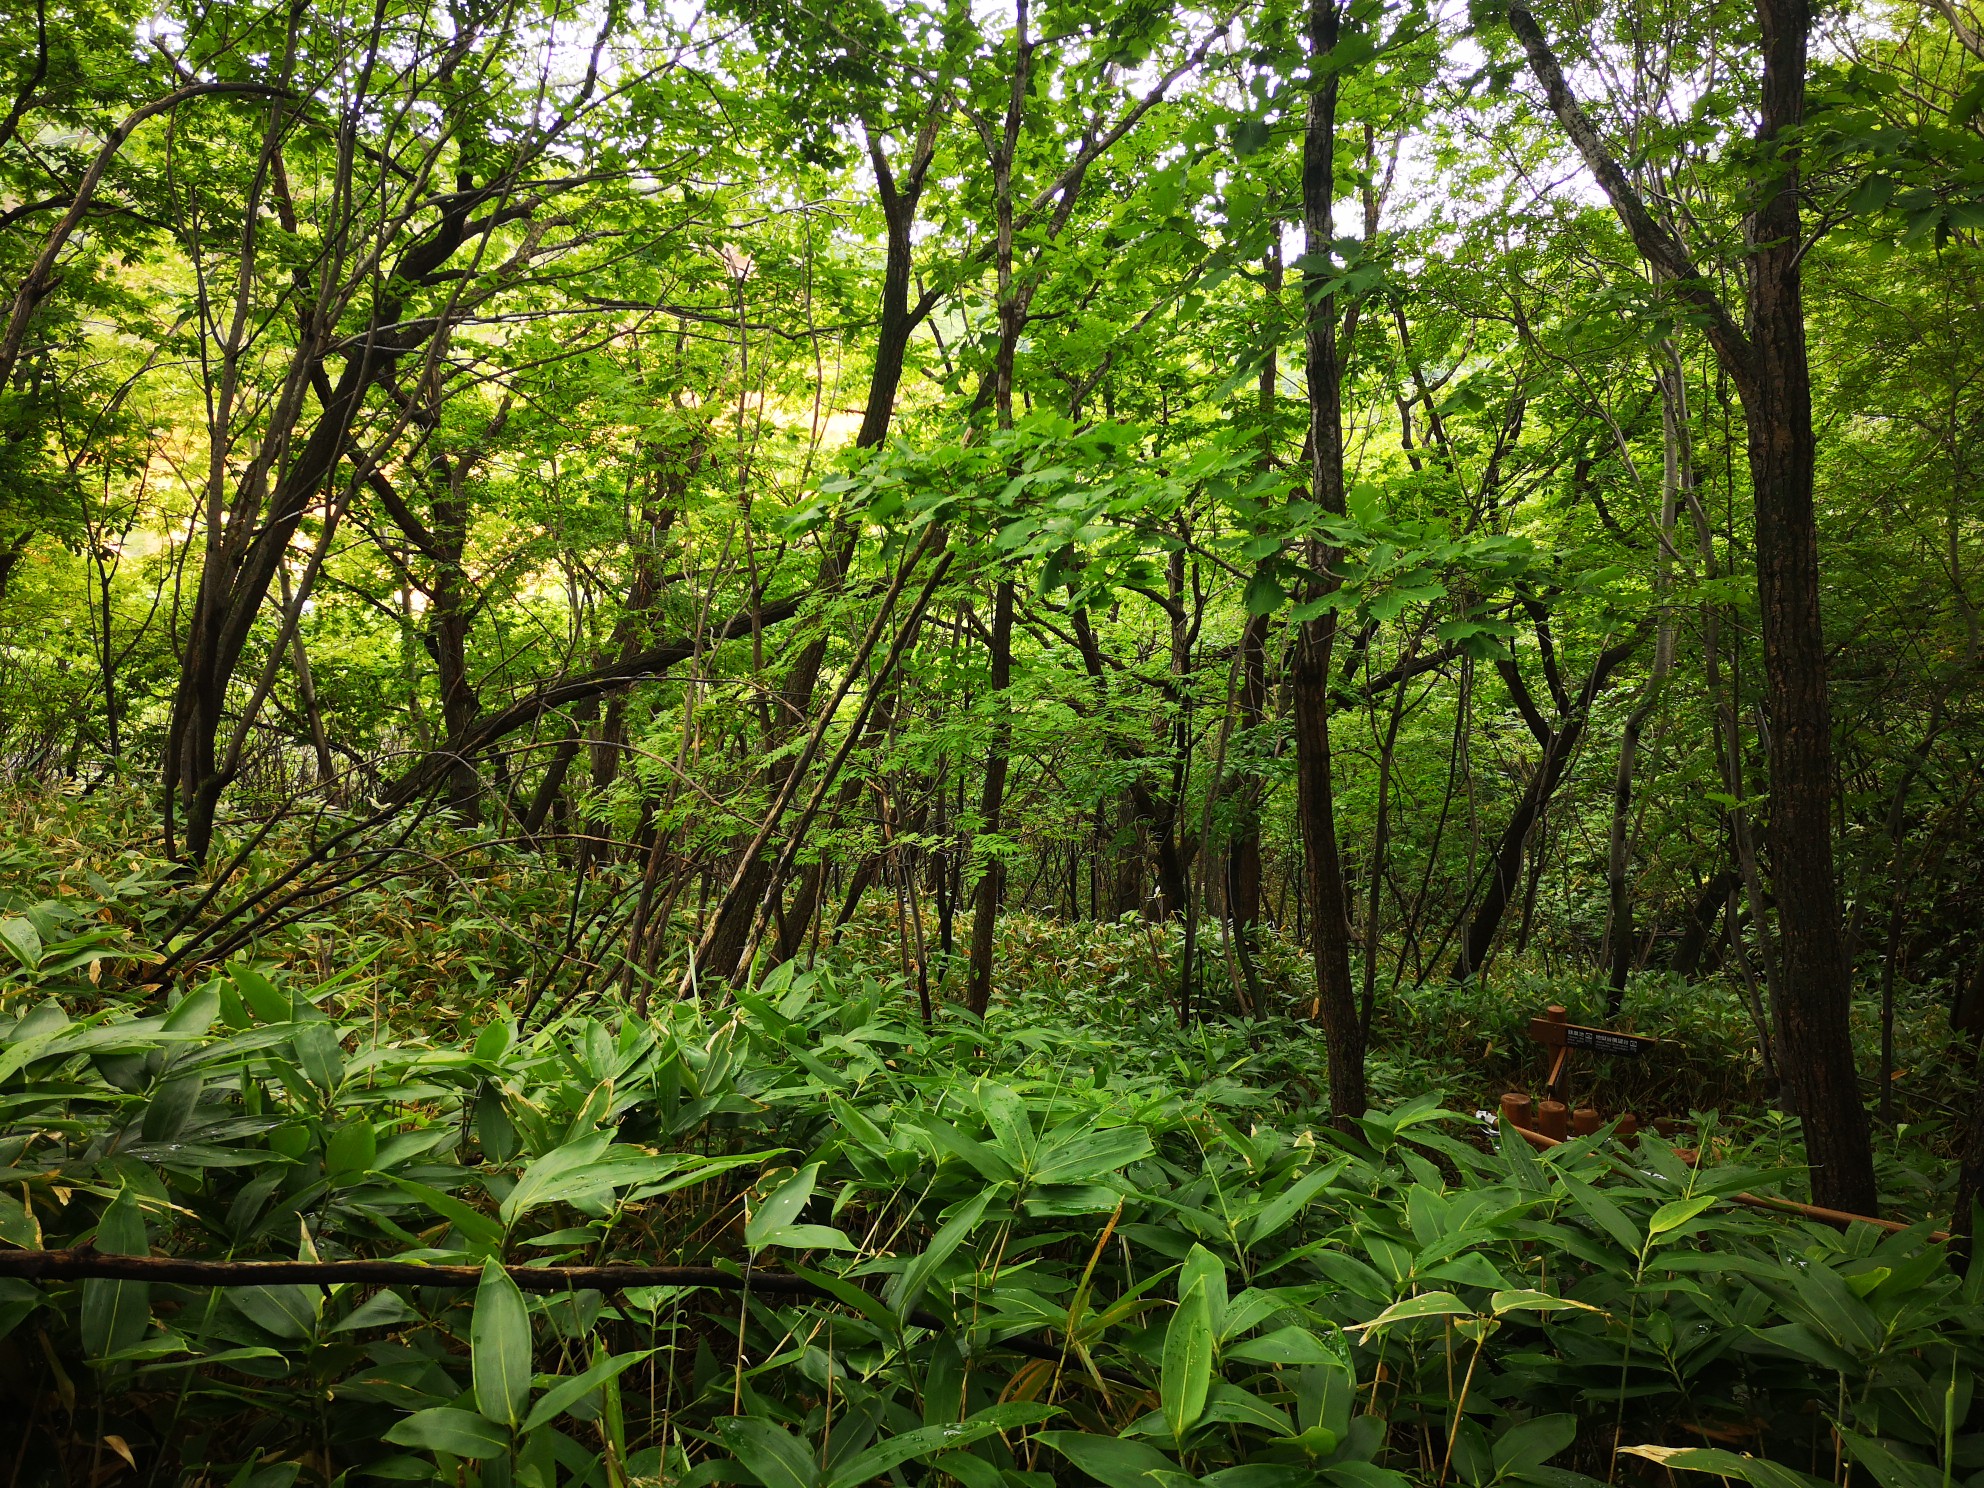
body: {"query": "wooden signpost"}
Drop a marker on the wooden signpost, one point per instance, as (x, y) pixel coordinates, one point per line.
(1553, 1118)
(1545, 1126)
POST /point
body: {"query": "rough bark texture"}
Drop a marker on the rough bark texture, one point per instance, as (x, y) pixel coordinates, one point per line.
(1329, 899)
(1765, 356)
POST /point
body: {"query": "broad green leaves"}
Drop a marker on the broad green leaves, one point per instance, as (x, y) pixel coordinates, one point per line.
(1187, 1364)
(500, 1348)
(781, 1460)
(1758, 1472)
(116, 1314)
(1113, 1461)
(772, 1222)
(1055, 1215)
(459, 1433)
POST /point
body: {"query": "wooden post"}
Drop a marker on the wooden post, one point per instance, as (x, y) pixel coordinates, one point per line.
(1584, 1121)
(1553, 1119)
(1517, 1112)
(1559, 1015)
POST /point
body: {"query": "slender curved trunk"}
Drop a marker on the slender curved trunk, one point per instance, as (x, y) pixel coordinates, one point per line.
(1676, 477)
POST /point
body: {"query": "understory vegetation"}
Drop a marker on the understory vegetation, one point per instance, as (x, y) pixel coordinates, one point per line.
(1072, 1238)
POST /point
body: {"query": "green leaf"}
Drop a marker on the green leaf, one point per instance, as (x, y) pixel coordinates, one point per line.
(1525, 1300)
(17, 1224)
(116, 1313)
(1758, 1472)
(973, 1472)
(1872, 194)
(908, 1288)
(1205, 1272)
(1248, 136)
(1187, 1364)
(806, 1237)
(1279, 1212)
(775, 1455)
(567, 1393)
(478, 1228)
(386, 1309)
(1524, 1448)
(443, 1428)
(1677, 1212)
(1061, 1200)
(1088, 1155)
(780, 1207)
(1607, 1215)
(21, 938)
(284, 1311)
(500, 1347)
(1469, 1269)
(1426, 1304)
(1967, 103)
(1286, 1346)
(1291, 1345)
(888, 1455)
(1264, 593)
(352, 1149)
(321, 1058)
(1269, 1475)
(1112, 1460)
(1889, 1470)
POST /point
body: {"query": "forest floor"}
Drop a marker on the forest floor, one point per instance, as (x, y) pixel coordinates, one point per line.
(1076, 1239)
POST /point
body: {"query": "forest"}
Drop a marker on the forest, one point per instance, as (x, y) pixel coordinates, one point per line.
(1106, 743)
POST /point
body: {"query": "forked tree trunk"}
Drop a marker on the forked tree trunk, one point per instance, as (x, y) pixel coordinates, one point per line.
(899, 317)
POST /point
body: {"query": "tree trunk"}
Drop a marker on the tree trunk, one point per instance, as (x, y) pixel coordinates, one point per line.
(1012, 309)
(1765, 355)
(1559, 745)
(1329, 900)
(1676, 477)
(1686, 961)
(306, 697)
(898, 321)
(1814, 1027)
(991, 807)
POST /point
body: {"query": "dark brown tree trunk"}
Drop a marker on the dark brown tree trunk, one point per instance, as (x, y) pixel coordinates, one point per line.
(991, 807)
(1814, 1028)
(1559, 746)
(551, 787)
(241, 564)
(1012, 310)
(248, 536)
(1765, 357)
(1697, 934)
(1329, 898)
